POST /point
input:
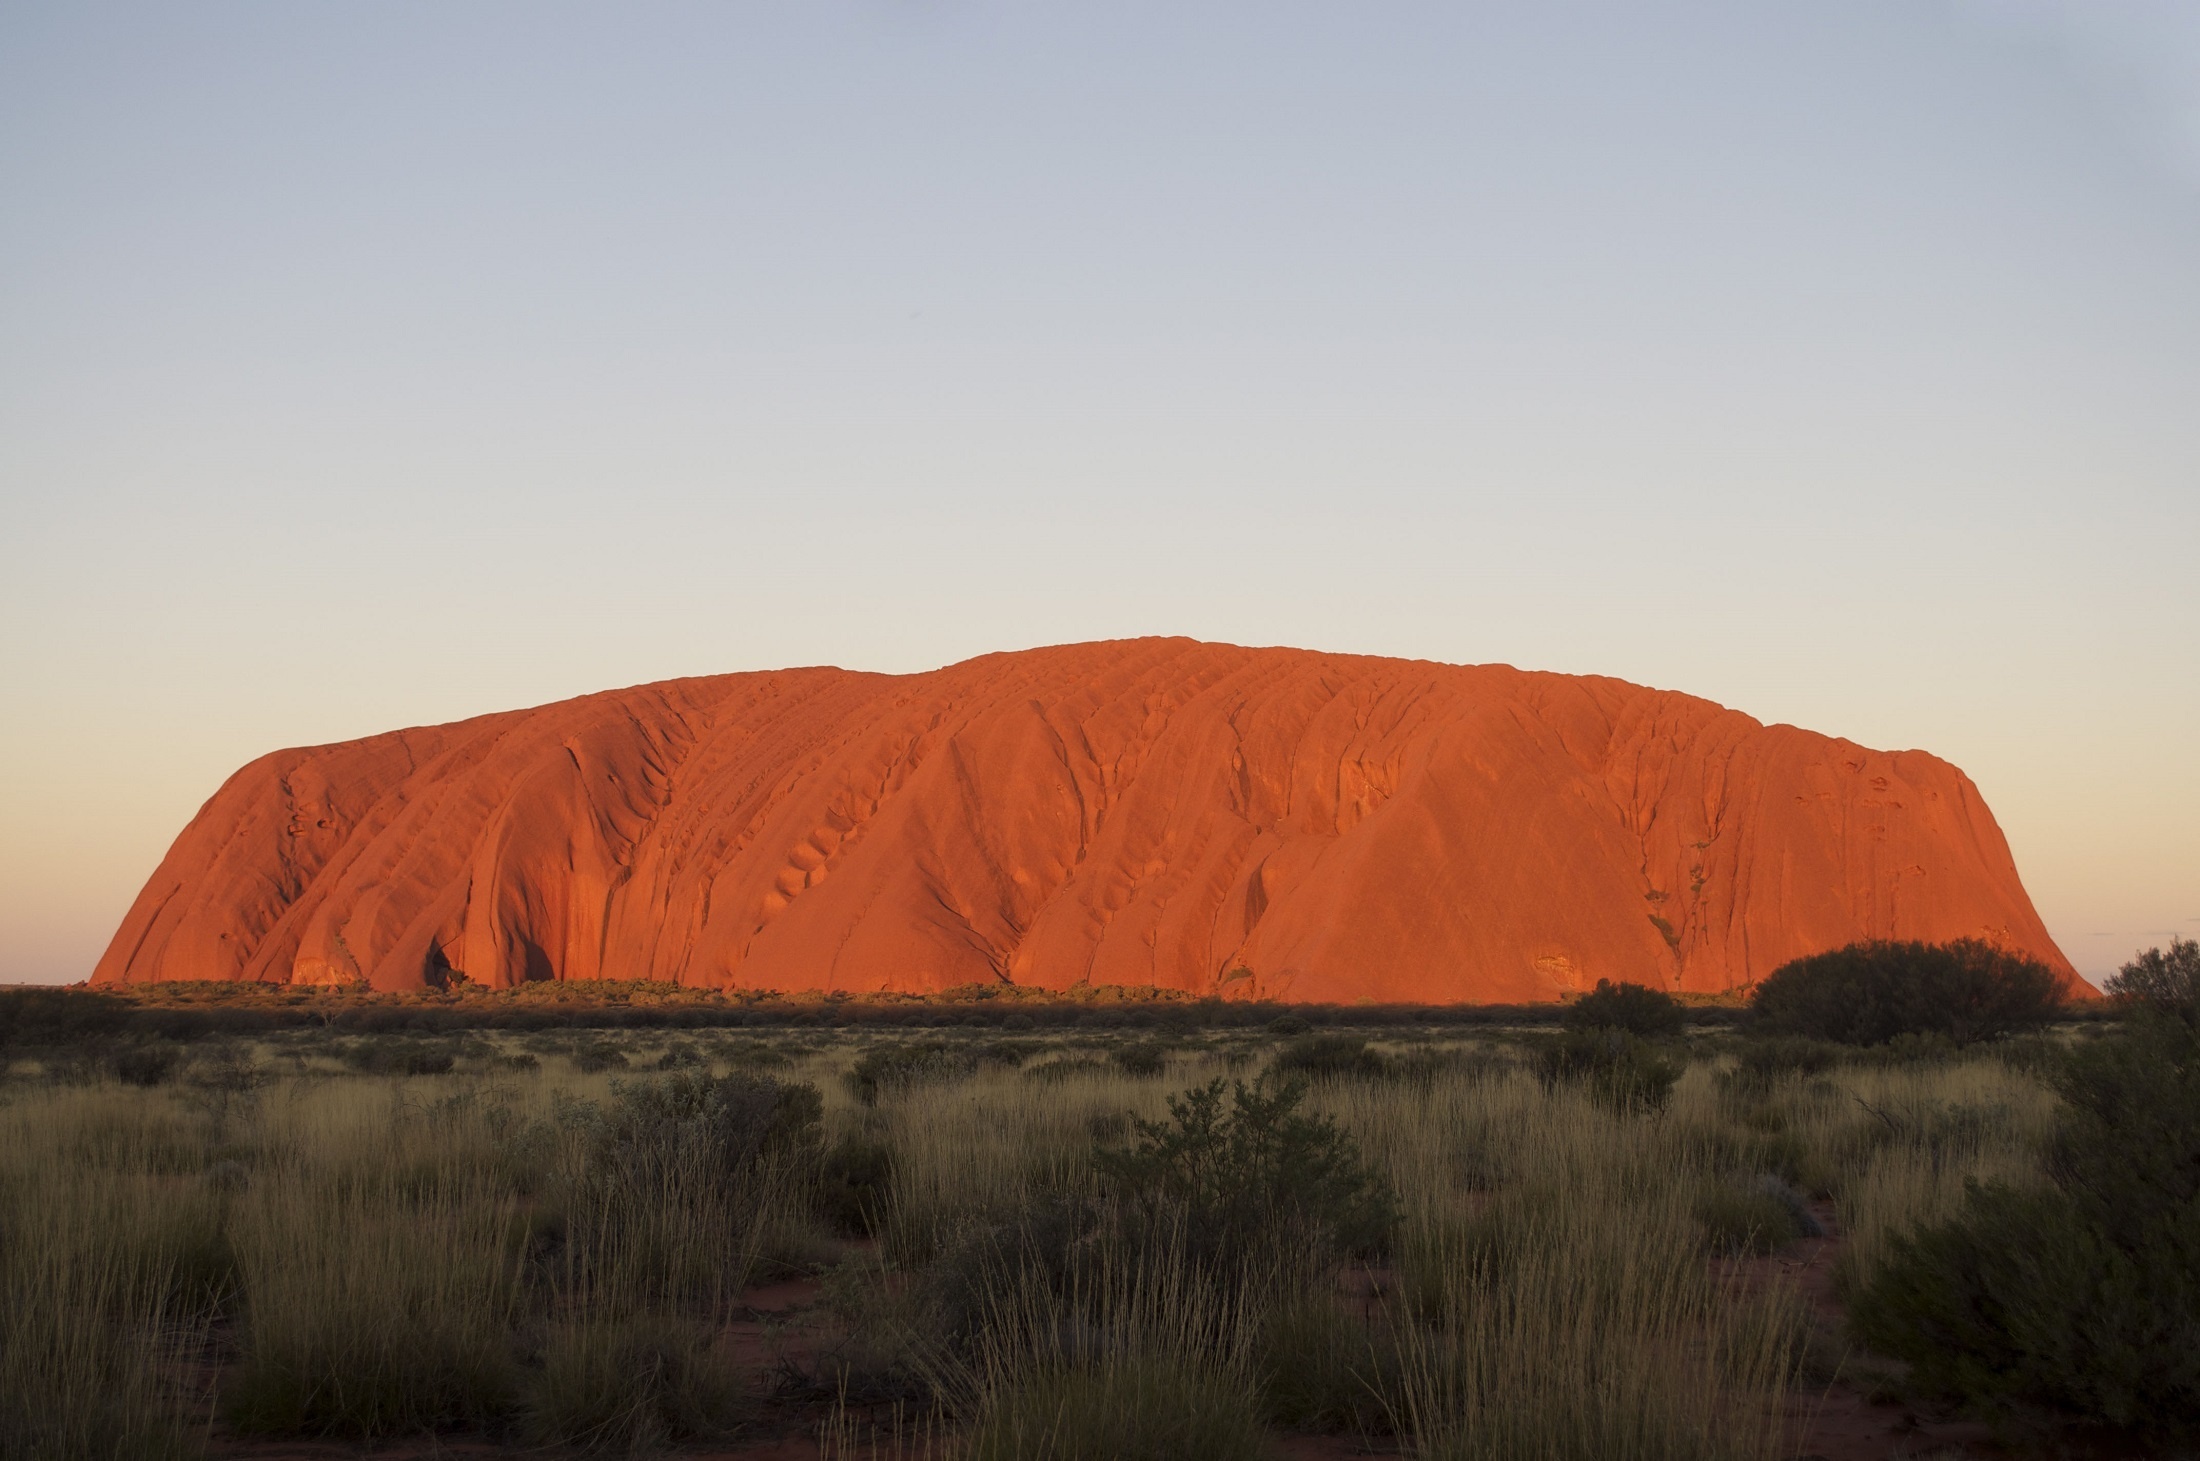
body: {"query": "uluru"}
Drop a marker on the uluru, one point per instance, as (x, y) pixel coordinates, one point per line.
(1206, 818)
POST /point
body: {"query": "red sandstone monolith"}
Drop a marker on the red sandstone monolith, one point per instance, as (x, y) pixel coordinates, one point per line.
(1201, 817)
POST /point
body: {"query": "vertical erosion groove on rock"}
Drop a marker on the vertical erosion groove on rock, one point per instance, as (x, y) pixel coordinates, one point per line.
(1202, 817)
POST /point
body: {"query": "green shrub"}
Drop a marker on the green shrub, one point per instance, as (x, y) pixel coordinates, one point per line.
(1870, 993)
(1320, 1056)
(1619, 1070)
(1254, 1178)
(2083, 1297)
(1635, 1008)
(1127, 1408)
(1287, 1026)
(888, 1068)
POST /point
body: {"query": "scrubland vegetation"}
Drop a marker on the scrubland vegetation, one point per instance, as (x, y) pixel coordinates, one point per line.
(1072, 1240)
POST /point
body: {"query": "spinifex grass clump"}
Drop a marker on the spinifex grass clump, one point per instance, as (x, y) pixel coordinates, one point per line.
(1588, 1334)
(1564, 1309)
(97, 1335)
(1126, 1352)
(661, 1205)
(1122, 1407)
(631, 1385)
(371, 1312)
(1753, 1214)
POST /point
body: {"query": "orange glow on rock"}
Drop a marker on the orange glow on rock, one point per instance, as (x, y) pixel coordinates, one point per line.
(1203, 817)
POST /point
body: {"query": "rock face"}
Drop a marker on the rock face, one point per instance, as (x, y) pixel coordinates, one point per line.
(1202, 817)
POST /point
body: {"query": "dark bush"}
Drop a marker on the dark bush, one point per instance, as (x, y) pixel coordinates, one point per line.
(1635, 1008)
(738, 1120)
(2083, 1297)
(146, 1065)
(1870, 993)
(1011, 1053)
(1141, 1058)
(592, 1059)
(2166, 984)
(1620, 1071)
(1328, 1055)
(886, 1068)
(1427, 1064)
(1062, 1070)
(1768, 1060)
(855, 1182)
(387, 1055)
(680, 1055)
(1287, 1026)
(33, 1016)
(429, 1060)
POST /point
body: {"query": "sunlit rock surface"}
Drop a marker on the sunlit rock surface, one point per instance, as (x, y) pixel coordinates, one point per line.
(1203, 817)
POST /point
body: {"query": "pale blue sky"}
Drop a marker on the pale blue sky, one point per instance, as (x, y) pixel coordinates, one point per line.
(371, 365)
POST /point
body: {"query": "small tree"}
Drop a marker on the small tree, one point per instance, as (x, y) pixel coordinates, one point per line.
(1635, 1008)
(2167, 984)
(1869, 993)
